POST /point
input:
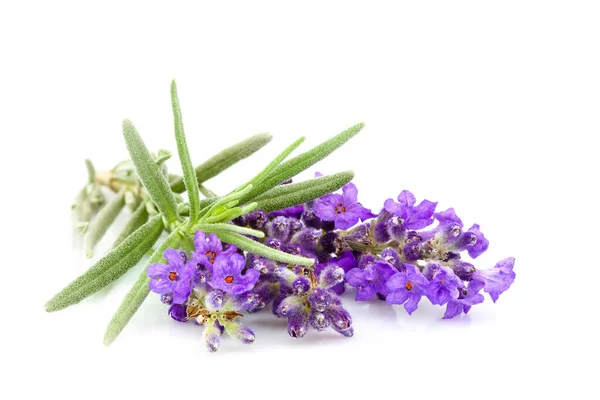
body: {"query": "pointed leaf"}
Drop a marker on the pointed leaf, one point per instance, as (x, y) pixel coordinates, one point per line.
(137, 219)
(189, 174)
(150, 173)
(278, 160)
(285, 196)
(138, 293)
(111, 267)
(294, 166)
(99, 225)
(225, 159)
(260, 249)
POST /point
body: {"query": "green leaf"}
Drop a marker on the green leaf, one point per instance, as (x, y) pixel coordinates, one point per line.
(150, 173)
(110, 267)
(209, 194)
(260, 249)
(285, 196)
(222, 203)
(137, 219)
(99, 225)
(225, 159)
(216, 228)
(294, 166)
(189, 174)
(278, 160)
(138, 293)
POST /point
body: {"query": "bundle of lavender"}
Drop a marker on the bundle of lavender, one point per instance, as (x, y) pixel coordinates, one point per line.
(295, 247)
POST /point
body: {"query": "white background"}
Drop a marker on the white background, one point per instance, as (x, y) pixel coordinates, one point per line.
(489, 107)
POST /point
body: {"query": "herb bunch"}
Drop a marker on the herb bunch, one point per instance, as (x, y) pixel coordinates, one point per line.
(294, 246)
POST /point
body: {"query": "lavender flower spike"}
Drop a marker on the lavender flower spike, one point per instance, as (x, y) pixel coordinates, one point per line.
(227, 274)
(174, 278)
(343, 209)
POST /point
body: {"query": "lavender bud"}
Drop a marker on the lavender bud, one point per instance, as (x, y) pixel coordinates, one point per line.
(295, 226)
(412, 251)
(212, 336)
(463, 270)
(381, 233)
(340, 318)
(330, 276)
(327, 226)
(274, 243)
(240, 332)
(307, 238)
(177, 312)
(285, 276)
(360, 234)
(297, 325)
(319, 299)
(214, 299)
(318, 320)
(291, 305)
(310, 219)
(167, 298)
(279, 228)
(346, 332)
(301, 285)
(465, 240)
(391, 256)
(256, 219)
(240, 221)
(328, 242)
(396, 228)
(365, 260)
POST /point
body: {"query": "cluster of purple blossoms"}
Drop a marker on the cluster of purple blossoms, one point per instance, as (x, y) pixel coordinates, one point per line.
(393, 256)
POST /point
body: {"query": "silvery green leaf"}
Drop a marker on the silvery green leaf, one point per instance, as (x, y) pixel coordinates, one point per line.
(260, 249)
(294, 166)
(209, 194)
(137, 219)
(106, 216)
(285, 196)
(150, 173)
(189, 174)
(110, 267)
(225, 159)
(162, 156)
(138, 293)
(219, 227)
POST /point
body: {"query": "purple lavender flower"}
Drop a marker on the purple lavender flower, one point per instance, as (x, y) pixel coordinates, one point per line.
(292, 212)
(448, 216)
(177, 312)
(227, 274)
(444, 284)
(415, 217)
(298, 325)
(371, 280)
(498, 279)
(468, 297)
(344, 209)
(407, 288)
(174, 278)
(207, 250)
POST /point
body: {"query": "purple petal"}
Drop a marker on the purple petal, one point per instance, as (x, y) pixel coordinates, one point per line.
(448, 216)
(413, 302)
(365, 293)
(245, 283)
(453, 308)
(406, 198)
(355, 277)
(349, 194)
(214, 243)
(397, 297)
(156, 270)
(394, 208)
(173, 256)
(159, 286)
(200, 242)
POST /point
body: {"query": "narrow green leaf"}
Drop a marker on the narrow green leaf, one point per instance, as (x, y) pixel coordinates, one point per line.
(110, 267)
(150, 173)
(209, 194)
(260, 249)
(189, 174)
(138, 293)
(224, 202)
(137, 219)
(99, 225)
(225, 159)
(278, 160)
(285, 196)
(294, 166)
(216, 228)
(91, 170)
